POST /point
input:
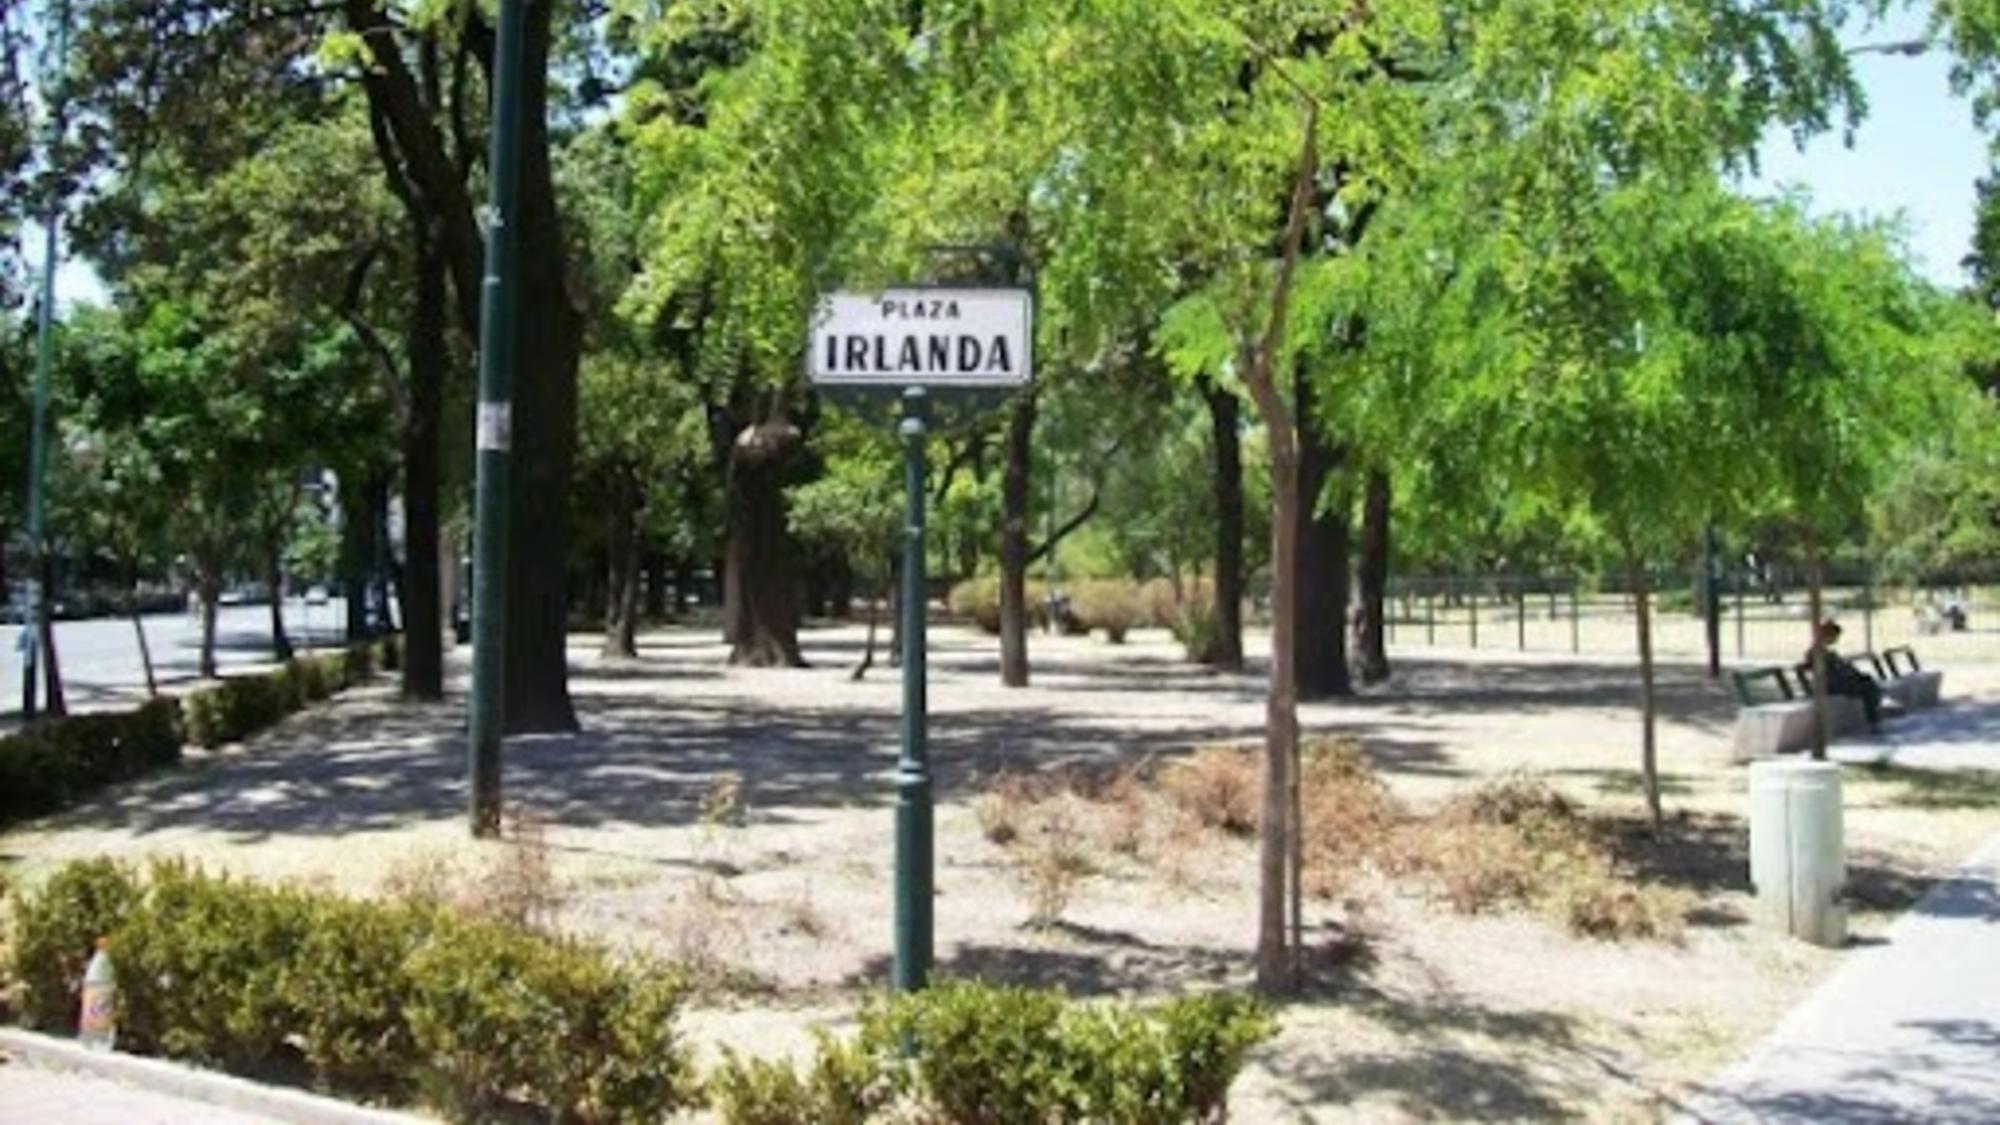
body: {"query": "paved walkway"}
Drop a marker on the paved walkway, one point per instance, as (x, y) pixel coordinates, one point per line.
(31, 1095)
(1907, 1030)
(1962, 734)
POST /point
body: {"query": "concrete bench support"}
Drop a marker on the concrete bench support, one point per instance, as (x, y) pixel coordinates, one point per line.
(1915, 689)
(1769, 729)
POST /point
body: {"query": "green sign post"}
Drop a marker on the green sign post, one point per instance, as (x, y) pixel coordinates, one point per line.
(914, 860)
(916, 343)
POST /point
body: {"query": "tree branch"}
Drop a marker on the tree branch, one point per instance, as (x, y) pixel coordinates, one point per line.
(385, 358)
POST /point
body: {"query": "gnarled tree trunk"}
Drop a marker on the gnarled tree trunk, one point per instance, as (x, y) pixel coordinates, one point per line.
(761, 582)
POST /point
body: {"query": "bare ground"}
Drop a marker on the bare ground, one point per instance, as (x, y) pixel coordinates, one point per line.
(1438, 1016)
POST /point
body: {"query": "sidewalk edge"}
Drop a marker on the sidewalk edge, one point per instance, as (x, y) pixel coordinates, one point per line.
(224, 1091)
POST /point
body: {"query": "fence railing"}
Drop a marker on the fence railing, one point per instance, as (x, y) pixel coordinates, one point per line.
(1762, 621)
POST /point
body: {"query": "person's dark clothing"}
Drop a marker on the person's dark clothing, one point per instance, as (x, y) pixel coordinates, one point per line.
(1843, 678)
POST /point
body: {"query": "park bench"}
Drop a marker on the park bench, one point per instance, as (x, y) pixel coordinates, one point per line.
(1905, 680)
(1777, 718)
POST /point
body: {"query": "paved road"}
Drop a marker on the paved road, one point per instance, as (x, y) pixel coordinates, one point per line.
(30, 1095)
(100, 658)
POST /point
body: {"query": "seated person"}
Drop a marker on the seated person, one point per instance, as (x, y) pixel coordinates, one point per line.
(1843, 678)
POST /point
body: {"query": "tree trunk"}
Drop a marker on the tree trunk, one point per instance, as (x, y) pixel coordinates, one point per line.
(274, 577)
(1225, 413)
(430, 359)
(1281, 730)
(1324, 521)
(547, 340)
(621, 548)
(874, 616)
(1014, 486)
(357, 552)
(210, 584)
(1648, 701)
(51, 662)
(656, 585)
(761, 591)
(139, 629)
(1374, 654)
(1822, 728)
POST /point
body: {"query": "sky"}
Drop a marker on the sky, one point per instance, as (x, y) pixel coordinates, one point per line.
(1915, 157)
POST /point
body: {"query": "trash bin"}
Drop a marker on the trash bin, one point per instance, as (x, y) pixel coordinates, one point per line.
(1798, 857)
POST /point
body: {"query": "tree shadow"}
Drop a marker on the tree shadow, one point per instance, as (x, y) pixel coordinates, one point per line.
(1709, 853)
(1938, 789)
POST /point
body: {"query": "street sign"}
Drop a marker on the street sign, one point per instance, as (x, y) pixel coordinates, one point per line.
(936, 338)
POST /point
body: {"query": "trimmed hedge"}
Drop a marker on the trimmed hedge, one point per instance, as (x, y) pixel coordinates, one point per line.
(51, 765)
(241, 706)
(975, 1054)
(393, 1002)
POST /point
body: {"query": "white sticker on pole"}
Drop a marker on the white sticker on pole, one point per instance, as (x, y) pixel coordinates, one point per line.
(924, 337)
(496, 426)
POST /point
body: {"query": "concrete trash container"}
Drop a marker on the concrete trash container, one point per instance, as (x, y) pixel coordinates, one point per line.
(1798, 858)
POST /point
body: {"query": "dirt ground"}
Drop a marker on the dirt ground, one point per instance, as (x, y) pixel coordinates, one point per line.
(743, 820)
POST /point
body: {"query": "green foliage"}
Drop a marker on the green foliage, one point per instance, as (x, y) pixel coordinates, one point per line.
(55, 763)
(380, 1000)
(848, 1083)
(980, 1054)
(241, 706)
(55, 931)
(505, 1016)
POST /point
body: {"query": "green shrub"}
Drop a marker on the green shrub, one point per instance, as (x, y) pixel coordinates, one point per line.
(506, 1018)
(995, 1054)
(381, 1000)
(242, 706)
(203, 967)
(55, 931)
(53, 764)
(239, 707)
(1113, 605)
(848, 1084)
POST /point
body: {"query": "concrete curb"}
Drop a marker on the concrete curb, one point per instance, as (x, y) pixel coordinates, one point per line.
(224, 1091)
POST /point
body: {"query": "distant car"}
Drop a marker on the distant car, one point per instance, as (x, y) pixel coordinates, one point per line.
(316, 595)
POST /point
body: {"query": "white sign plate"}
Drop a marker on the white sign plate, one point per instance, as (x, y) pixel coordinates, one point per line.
(924, 337)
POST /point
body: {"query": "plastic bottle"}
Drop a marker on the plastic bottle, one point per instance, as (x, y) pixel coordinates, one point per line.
(97, 1024)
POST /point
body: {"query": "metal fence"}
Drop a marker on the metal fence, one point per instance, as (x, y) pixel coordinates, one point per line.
(1762, 621)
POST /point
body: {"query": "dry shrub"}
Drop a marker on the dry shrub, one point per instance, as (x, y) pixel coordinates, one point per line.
(1123, 813)
(703, 927)
(1163, 601)
(798, 915)
(1053, 861)
(1598, 903)
(977, 599)
(519, 887)
(1113, 605)
(722, 803)
(1220, 786)
(1350, 817)
(1005, 806)
(427, 879)
(1518, 842)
